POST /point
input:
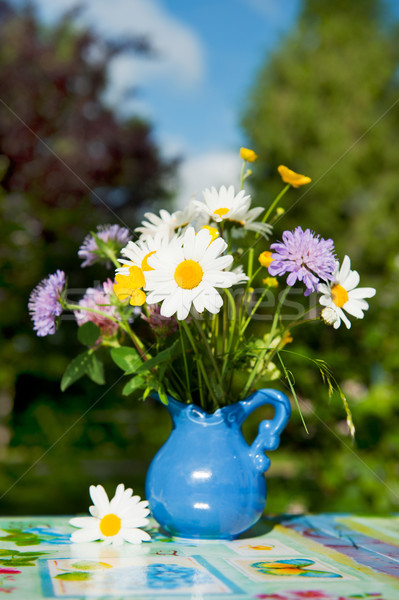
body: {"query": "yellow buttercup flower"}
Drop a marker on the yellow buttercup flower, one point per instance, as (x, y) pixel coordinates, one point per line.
(213, 231)
(128, 286)
(294, 179)
(270, 282)
(287, 338)
(265, 258)
(248, 155)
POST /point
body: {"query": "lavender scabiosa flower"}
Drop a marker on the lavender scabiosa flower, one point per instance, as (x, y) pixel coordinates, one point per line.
(114, 238)
(100, 299)
(44, 303)
(305, 256)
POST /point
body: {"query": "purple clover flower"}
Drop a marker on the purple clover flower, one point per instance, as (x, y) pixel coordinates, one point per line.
(305, 256)
(162, 326)
(44, 303)
(114, 236)
(100, 299)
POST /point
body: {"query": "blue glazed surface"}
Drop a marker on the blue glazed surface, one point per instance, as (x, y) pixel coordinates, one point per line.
(206, 482)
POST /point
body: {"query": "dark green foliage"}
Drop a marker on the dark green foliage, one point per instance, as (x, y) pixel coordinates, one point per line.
(67, 163)
(326, 105)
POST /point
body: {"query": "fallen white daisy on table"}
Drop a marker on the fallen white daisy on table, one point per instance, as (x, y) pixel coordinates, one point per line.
(113, 521)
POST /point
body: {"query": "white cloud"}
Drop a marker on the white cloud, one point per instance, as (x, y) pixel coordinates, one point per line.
(207, 170)
(179, 59)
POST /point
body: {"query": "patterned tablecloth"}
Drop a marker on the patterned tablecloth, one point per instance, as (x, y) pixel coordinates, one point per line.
(292, 557)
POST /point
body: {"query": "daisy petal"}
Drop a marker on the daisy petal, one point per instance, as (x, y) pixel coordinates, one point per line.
(136, 522)
(345, 319)
(85, 535)
(136, 536)
(351, 281)
(368, 292)
(100, 499)
(86, 522)
(353, 309)
(345, 269)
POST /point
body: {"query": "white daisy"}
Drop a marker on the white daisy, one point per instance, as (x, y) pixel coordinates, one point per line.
(226, 205)
(342, 294)
(113, 521)
(167, 224)
(191, 215)
(164, 224)
(189, 275)
(240, 274)
(138, 252)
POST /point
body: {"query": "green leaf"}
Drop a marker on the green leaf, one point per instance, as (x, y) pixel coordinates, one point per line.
(86, 363)
(147, 392)
(88, 333)
(162, 396)
(165, 355)
(127, 359)
(95, 369)
(132, 385)
(75, 370)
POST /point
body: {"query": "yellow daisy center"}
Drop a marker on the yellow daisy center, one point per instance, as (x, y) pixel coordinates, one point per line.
(110, 525)
(221, 211)
(144, 264)
(339, 295)
(188, 274)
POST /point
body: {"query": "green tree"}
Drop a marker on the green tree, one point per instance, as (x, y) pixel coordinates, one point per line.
(326, 105)
(68, 162)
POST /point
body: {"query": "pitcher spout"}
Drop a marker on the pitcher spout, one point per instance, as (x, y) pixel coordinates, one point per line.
(174, 407)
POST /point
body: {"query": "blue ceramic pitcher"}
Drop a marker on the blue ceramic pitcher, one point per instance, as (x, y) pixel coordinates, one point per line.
(206, 481)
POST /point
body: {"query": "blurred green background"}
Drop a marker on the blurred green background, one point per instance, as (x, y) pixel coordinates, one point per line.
(326, 104)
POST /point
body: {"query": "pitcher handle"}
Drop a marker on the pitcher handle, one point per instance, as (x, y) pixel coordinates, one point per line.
(268, 437)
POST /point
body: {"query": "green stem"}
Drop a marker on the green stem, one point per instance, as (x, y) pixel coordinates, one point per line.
(275, 202)
(269, 340)
(250, 263)
(74, 307)
(113, 259)
(185, 362)
(245, 294)
(208, 350)
(232, 324)
(200, 366)
(242, 178)
(255, 308)
(122, 324)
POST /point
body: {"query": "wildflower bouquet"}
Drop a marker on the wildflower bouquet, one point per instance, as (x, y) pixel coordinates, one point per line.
(197, 307)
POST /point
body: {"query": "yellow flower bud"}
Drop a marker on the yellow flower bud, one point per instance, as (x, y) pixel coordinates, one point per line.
(294, 179)
(248, 155)
(265, 258)
(270, 282)
(280, 211)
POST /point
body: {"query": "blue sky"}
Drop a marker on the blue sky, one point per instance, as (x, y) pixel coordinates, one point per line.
(208, 52)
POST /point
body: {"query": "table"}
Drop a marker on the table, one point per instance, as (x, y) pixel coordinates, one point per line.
(288, 557)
